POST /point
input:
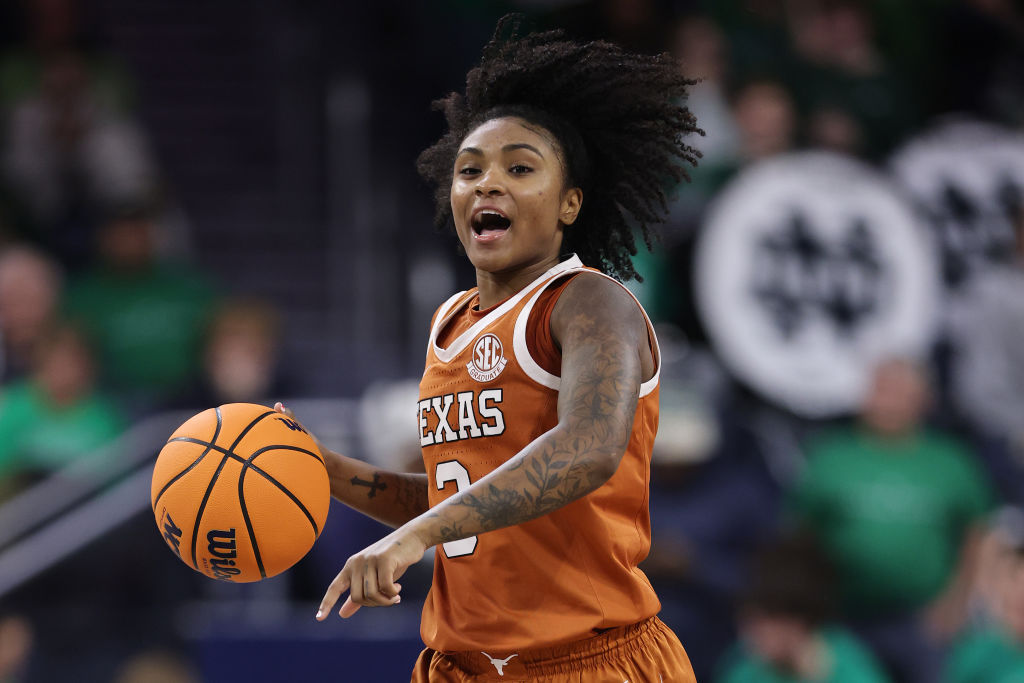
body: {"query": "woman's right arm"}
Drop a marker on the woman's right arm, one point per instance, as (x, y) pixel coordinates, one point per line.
(391, 498)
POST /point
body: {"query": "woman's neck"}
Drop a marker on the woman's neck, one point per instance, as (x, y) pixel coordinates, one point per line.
(496, 287)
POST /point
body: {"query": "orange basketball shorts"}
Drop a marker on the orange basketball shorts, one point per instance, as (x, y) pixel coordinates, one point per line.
(646, 652)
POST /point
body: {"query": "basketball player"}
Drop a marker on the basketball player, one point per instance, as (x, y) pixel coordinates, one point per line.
(539, 402)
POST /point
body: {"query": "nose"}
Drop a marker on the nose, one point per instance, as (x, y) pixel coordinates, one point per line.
(489, 184)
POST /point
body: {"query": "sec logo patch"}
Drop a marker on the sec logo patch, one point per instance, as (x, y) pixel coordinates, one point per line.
(488, 359)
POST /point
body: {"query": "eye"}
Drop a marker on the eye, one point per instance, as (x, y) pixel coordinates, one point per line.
(469, 170)
(520, 169)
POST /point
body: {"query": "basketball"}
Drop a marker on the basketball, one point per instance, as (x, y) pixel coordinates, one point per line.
(240, 492)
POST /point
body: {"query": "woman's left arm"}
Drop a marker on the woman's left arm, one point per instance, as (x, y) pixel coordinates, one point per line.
(604, 340)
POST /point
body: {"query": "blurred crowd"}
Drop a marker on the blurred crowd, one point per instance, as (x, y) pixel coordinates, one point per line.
(883, 544)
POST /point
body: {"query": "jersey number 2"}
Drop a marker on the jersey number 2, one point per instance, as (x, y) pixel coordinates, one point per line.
(453, 470)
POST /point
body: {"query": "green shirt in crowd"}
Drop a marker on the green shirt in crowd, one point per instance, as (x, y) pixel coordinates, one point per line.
(850, 663)
(148, 327)
(892, 514)
(986, 655)
(36, 435)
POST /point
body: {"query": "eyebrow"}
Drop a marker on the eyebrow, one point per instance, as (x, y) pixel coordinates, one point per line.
(511, 147)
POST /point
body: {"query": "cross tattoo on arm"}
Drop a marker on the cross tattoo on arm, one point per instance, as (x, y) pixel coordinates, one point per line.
(373, 485)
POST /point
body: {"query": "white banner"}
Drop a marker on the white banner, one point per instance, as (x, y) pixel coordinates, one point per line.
(810, 268)
(967, 179)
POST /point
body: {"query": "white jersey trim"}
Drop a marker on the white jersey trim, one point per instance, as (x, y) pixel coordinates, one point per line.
(541, 376)
(448, 310)
(442, 311)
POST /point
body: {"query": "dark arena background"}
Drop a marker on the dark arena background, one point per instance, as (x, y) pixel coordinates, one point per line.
(213, 202)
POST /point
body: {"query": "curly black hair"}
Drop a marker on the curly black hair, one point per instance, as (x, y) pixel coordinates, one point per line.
(618, 117)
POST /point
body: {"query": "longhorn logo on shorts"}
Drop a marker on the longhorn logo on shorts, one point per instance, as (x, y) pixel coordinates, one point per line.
(499, 664)
(488, 359)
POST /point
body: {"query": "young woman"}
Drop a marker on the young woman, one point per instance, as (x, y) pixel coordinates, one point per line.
(539, 400)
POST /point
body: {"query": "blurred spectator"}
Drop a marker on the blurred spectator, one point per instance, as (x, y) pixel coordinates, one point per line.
(46, 28)
(239, 357)
(147, 319)
(55, 417)
(993, 651)
(854, 98)
(15, 648)
(757, 34)
(988, 370)
(156, 667)
(60, 103)
(68, 154)
(767, 119)
(888, 495)
(30, 284)
(785, 623)
(834, 129)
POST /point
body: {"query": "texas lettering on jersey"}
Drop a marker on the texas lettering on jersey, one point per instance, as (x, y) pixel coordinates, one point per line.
(465, 415)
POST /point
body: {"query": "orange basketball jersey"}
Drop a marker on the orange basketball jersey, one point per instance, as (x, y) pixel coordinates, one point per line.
(556, 579)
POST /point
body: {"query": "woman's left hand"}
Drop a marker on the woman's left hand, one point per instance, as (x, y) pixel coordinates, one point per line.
(370, 576)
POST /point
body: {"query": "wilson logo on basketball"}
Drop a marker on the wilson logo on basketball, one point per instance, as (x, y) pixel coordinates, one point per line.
(223, 551)
(292, 425)
(172, 533)
(488, 359)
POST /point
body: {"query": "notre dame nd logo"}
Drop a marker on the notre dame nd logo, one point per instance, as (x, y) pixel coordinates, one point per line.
(488, 359)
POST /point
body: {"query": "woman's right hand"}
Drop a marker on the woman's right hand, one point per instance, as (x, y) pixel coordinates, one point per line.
(324, 453)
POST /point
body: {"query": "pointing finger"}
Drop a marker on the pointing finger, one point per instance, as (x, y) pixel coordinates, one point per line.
(334, 591)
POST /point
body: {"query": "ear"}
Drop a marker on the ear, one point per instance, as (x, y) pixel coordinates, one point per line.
(572, 202)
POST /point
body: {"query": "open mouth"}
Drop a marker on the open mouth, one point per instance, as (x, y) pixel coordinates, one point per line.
(489, 223)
